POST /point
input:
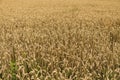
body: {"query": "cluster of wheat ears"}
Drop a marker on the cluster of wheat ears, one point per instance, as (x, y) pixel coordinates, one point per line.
(75, 40)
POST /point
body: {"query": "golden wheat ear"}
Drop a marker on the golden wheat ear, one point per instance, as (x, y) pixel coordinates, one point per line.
(111, 41)
(114, 38)
(118, 37)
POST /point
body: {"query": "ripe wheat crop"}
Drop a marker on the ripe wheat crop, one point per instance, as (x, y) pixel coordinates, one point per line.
(59, 40)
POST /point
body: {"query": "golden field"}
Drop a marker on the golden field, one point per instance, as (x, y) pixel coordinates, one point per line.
(59, 40)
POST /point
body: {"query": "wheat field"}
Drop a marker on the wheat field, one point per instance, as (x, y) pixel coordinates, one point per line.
(59, 39)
